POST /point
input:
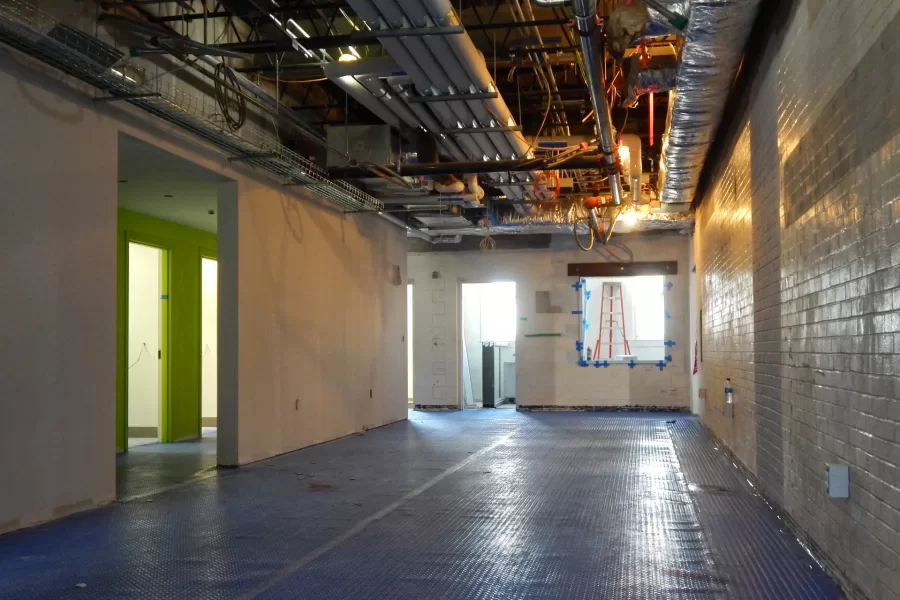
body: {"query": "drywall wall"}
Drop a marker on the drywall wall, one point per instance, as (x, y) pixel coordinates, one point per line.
(546, 367)
(143, 340)
(57, 305)
(321, 320)
(798, 257)
(209, 353)
(181, 381)
(58, 252)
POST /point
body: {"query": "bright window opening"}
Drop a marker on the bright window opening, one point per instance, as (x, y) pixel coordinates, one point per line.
(624, 318)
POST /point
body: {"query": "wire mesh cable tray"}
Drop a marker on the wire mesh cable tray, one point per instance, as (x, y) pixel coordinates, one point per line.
(76, 53)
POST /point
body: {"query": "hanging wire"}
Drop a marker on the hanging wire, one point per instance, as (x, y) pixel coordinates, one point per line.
(232, 104)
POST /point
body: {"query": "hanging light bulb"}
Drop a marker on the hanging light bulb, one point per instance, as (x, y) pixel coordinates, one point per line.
(346, 57)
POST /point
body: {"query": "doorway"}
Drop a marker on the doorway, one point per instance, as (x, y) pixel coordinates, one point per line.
(409, 344)
(146, 319)
(488, 345)
(209, 360)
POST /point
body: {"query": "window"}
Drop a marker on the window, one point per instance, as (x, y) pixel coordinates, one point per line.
(623, 318)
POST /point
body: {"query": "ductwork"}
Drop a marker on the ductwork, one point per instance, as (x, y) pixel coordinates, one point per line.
(714, 42)
(443, 65)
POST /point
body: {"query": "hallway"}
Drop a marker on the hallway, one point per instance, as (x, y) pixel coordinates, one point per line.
(474, 504)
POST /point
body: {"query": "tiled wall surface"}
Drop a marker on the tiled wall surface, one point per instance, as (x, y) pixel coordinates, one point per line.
(798, 251)
(546, 367)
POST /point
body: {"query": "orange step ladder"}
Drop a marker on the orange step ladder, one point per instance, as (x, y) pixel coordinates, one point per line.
(612, 319)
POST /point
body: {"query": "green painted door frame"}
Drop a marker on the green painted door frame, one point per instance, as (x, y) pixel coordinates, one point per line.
(180, 367)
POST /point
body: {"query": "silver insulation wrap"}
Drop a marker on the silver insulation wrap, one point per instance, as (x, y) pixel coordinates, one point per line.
(714, 43)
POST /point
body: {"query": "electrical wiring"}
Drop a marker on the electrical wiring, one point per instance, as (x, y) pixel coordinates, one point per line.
(578, 239)
(278, 80)
(233, 105)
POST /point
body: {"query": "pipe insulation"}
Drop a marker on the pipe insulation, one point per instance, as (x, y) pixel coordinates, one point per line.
(585, 12)
(714, 43)
(447, 64)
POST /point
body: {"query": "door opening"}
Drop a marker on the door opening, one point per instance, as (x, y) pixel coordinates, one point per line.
(209, 360)
(409, 343)
(488, 345)
(145, 344)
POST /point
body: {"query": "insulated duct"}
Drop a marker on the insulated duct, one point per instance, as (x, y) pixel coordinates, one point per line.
(444, 65)
(714, 42)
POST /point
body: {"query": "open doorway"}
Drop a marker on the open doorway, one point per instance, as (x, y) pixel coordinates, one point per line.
(209, 360)
(146, 305)
(488, 345)
(409, 344)
(167, 397)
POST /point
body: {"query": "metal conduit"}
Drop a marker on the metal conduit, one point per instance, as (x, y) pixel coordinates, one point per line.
(585, 12)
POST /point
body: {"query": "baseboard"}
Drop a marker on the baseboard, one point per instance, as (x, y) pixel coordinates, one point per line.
(424, 407)
(633, 408)
(143, 432)
(209, 422)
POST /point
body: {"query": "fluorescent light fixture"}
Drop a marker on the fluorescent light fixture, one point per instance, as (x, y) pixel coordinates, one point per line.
(274, 18)
(300, 29)
(354, 52)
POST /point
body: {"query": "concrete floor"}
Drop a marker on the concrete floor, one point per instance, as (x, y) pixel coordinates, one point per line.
(473, 504)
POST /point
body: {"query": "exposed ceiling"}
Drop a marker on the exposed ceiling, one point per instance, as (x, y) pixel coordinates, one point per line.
(480, 117)
(159, 184)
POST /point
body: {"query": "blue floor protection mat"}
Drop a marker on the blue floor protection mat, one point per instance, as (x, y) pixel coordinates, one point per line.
(477, 504)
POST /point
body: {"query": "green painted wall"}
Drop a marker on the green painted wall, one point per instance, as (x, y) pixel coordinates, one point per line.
(184, 248)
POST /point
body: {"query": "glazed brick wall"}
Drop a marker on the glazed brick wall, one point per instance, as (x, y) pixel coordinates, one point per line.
(798, 254)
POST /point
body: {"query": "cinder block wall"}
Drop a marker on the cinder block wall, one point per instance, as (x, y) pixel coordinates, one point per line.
(797, 255)
(547, 372)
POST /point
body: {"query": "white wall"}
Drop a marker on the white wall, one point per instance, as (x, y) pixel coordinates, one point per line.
(321, 321)
(311, 293)
(546, 367)
(209, 319)
(143, 335)
(57, 305)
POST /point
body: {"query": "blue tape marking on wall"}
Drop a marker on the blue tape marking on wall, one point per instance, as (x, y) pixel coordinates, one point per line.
(523, 318)
(164, 297)
(585, 324)
(587, 295)
(576, 286)
(668, 316)
(631, 364)
(669, 343)
(577, 312)
(603, 364)
(668, 285)
(668, 358)
(579, 346)
(661, 365)
(582, 363)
